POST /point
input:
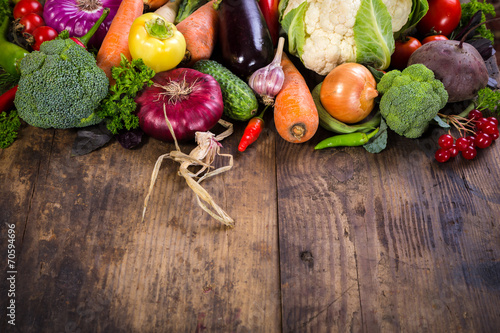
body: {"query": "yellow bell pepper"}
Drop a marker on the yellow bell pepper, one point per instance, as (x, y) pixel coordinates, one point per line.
(157, 42)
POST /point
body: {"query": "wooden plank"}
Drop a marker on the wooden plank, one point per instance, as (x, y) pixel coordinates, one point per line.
(415, 243)
(89, 264)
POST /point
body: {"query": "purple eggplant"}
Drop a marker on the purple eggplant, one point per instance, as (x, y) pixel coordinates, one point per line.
(246, 44)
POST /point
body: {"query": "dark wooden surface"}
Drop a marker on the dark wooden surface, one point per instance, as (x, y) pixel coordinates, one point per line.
(334, 240)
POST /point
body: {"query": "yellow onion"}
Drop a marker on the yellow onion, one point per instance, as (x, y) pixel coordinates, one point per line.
(348, 92)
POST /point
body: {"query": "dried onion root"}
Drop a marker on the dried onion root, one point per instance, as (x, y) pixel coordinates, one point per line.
(203, 155)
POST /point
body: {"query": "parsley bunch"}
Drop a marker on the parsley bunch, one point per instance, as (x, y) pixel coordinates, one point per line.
(118, 107)
(472, 7)
(9, 127)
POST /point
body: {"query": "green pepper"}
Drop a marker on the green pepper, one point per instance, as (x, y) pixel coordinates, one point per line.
(346, 140)
(11, 53)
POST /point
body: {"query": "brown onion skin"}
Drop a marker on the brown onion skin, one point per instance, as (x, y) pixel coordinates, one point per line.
(198, 112)
(348, 92)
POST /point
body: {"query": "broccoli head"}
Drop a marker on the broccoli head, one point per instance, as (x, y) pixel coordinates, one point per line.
(60, 86)
(411, 99)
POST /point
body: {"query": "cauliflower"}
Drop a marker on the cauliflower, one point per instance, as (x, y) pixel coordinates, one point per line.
(327, 33)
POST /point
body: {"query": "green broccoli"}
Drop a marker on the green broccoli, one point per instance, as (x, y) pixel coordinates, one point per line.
(411, 99)
(60, 86)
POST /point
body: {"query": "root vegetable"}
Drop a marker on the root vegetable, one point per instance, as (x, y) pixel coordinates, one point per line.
(457, 64)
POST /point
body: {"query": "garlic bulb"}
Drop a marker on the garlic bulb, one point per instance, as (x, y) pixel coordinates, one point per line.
(268, 81)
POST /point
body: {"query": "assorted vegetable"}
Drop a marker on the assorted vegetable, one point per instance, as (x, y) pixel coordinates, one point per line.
(115, 42)
(252, 131)
(411, 99)
(442, 17)
(78, 16)
(191, 100)
(169, 10)
(240, 102)
(173, 69)
(188, 7)
(244, 38)
(200, 30)
(295, 114)
(7, 99)
(346, 140)
(9, 127)
(118, 107)
(269, 9)
(458, 65)
(348, 93)
(157, 42)
(60, 85)
(268, 81)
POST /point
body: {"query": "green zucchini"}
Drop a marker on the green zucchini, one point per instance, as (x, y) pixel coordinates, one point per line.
(240, 102)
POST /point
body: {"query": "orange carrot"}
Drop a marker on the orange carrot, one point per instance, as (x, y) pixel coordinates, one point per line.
(200, 31)
(153, 4)
(295, 114)
(116, 40)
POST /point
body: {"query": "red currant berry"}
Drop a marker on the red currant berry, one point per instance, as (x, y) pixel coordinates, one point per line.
(493, 120)
(480, 123)
(469, 153)
(475, 114)
(442, 155)
(462, 143)
(495, 136)
(490, 128)
(445, 141)
(483, 140)
(472, 140)
(453, 151)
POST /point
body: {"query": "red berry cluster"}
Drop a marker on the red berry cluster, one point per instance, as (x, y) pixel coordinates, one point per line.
(481, 135)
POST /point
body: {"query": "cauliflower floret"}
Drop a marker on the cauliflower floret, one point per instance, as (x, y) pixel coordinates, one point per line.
(400, 11)
(329, 30)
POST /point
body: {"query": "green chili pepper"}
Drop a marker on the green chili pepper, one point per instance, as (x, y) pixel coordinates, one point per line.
(346, 140)
(11, 53)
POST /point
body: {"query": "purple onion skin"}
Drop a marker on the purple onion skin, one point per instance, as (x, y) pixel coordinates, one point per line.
(199, 112)
(66, 14)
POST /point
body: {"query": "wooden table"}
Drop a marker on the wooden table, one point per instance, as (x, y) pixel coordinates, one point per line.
(336, 240)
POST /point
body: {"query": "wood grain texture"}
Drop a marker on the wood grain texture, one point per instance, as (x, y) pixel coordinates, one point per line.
(87, 264)
(395, 242)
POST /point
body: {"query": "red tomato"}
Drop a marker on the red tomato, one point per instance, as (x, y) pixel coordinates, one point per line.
(31, 22)
(442, 17)
(25, 7)
(402, 52)
(43, 34)
(433, 38)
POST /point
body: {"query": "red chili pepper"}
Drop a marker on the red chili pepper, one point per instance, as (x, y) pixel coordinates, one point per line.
(252, 131)
(269, 9)
(7, 99)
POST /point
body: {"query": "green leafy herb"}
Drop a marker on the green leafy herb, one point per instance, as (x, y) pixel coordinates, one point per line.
(379, 141)
(9, 127)
(470, 8)
(118, 108)
(488, 99)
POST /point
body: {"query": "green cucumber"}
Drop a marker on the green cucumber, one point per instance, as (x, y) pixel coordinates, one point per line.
(240, 102)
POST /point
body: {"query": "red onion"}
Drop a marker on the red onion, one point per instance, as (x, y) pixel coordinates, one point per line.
(192, 100)
(78, 16)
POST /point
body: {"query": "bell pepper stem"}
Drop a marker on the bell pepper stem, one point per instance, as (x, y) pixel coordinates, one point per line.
(159, 28)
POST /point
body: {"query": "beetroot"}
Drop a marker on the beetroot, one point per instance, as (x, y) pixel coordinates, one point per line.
(458, 65)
